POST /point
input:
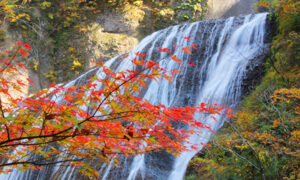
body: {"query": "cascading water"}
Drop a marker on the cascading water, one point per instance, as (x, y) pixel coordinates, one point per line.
(224, 76)
(225, 51)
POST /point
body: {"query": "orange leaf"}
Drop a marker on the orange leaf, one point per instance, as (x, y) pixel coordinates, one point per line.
(176, 59)
(187, 50)
(165, 50)
(139, 54)
(175, 71)
(194, 46)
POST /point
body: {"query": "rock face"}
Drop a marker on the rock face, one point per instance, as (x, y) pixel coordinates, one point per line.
(255, 70)
(227, 8)
(114, 32)
(125, 21)
(110, 33)
(6, 43)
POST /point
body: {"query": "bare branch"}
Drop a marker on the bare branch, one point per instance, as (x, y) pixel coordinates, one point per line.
(236, 154)
(252, 148)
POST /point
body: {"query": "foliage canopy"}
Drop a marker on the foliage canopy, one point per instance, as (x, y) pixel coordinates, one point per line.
(103, 119)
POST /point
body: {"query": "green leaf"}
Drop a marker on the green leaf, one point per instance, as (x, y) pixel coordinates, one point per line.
(45, 5)
(51, 16)
(77, 126)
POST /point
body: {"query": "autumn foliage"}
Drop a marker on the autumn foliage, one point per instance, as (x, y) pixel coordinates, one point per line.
(103, 119)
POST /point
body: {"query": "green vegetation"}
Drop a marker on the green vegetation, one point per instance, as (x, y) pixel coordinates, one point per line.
(2, 35)
(53, 27)
(167, 13)
(262, 141)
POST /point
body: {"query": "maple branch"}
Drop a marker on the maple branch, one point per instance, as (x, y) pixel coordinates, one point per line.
(7, 131)
(111, 114)
(96, 110)
(26, 144)
(9, 64)
(55, 134)
(120, 85)
(1, 108)
(115, 89)
(45, 115)
(28, 138)
(58, 138)
(143, 152)
(109, 119)
(106, 97)
(2, 113)
(40, 164)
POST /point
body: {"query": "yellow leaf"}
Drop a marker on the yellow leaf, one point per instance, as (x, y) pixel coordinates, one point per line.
(76, 64)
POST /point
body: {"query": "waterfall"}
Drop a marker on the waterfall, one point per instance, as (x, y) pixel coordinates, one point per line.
(226, 49)
(224, 76)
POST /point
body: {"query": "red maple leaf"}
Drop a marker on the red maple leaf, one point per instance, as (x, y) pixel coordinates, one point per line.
(22, 65)
(194, 46)
(18, 43)
(165, 50)
(192, 64)
(175, 71)
(27, 46)
(140, 54)
(187, 50)
(214, 118)
(24, 53)
(124, 57)
(29, 81)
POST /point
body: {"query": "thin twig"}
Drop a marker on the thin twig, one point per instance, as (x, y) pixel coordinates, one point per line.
(236, 154)
(40, 164)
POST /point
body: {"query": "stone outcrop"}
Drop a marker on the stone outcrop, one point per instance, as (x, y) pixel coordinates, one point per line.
(111, 33)
(227, 8)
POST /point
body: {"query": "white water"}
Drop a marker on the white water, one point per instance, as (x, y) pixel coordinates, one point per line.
(220, 78)
(225, 48)
(224, 77)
